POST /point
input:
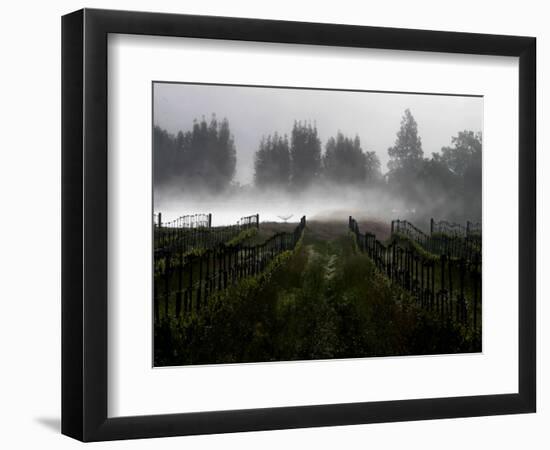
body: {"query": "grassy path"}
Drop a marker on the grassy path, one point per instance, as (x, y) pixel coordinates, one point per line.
(339, 306)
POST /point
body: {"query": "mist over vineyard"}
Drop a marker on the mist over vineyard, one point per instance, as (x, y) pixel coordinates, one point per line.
(294, 172)
(295, 224)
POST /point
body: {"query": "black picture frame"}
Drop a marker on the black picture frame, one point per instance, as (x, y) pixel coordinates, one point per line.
(84, 224)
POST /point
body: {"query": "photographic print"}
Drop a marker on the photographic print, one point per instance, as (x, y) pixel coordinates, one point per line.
(294, 224)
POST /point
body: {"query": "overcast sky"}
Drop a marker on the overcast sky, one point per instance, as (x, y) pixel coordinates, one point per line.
(254, 112)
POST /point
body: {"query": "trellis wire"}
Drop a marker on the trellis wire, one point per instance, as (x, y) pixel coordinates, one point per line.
(448, 287)
(186, 281)
(453, 245)
(180, 235)
(190, 221)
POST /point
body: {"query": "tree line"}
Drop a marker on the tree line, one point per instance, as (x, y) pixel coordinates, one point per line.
(446, 182)
(205, 158)
(299, 162)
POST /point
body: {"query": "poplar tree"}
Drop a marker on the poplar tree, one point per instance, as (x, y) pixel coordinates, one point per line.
(305, 152)
(272, 162)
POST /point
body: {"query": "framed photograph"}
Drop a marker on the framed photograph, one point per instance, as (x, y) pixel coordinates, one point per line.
(273, 224)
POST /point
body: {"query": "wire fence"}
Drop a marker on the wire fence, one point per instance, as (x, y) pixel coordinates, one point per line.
(455, 229)
(184, 283)
(188, 221)
(448, 287)
(473, 228)
(449, 228)
(453, 245)
(250, 221)
(192, 232)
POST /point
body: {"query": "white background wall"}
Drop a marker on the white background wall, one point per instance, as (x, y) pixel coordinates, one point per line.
(30, 226)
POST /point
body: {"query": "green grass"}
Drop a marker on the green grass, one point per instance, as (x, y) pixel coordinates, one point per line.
(471, 339)
(404, 238)
(243, 237)
(453, 275)
(323, 300)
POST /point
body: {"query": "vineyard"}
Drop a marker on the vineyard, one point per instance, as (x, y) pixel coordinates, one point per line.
(442, 272)
(194, 263)
(191, 232)
(321, 290)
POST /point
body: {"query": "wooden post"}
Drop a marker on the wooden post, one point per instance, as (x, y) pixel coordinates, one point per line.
(209, 220)
(450, 297)
(463, 313)
(200, 283)
(422, 284)
(190, 289)
(160, 219)
(432, 294)
(219, 272)
(443, 260)
(475, 277)
(156, 298)
(207, 254)
(431, 225)
(166, 283)
(180, 285)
